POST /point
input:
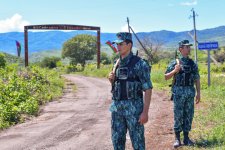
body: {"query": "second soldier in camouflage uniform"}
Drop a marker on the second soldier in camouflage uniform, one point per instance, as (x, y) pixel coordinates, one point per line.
(186, 74)
(129, 111)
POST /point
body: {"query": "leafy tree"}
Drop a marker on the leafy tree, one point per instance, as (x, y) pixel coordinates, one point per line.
(152, 47)
(114, 57)
(50, 62)
(220, 55)
(105, 59)
(2, 60)
(80, 48)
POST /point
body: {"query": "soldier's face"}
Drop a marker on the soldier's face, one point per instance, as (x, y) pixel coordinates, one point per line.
(124, 48)
(185, 50)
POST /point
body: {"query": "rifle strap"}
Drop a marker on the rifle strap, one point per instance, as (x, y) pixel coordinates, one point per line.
(114, 70)
(116, 65)
(178, 63)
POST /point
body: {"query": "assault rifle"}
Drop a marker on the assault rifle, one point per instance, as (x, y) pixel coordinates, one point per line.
(130, 28)
(173, 81)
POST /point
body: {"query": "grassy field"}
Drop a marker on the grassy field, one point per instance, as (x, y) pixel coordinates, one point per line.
(209, 122)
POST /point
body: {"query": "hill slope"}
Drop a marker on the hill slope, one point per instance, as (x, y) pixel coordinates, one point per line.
(53, 40)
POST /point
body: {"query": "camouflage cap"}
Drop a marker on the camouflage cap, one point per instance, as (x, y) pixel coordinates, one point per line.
(122, 36)
(184, 42)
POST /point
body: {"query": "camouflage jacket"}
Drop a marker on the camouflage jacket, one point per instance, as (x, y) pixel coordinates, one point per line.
(193, 75)
(142, 70)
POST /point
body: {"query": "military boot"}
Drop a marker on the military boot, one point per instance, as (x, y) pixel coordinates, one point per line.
(177, 142)
(187, 141)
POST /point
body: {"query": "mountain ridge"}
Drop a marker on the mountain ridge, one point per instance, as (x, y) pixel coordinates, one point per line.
(54, 39)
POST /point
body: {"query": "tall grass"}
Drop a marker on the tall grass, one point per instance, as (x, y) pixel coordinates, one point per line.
(22, 90)
(209, 127)
(157, 77)
(91, 70)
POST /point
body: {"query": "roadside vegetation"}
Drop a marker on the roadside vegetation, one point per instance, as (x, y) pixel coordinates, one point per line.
(24, 90)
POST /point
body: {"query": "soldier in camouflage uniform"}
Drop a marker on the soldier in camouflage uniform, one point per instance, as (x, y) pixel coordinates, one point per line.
(186, 74)
(129, 110)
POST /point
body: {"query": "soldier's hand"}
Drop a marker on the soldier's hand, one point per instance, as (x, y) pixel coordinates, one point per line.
(143, 118)
(198, 97)
(111, 77)
(177, 68)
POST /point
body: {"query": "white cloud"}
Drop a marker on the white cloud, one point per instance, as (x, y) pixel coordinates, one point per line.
(125, 29)
(190, 3)
(15, 23)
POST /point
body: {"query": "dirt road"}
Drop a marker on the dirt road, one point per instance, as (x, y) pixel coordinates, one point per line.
(81, 121)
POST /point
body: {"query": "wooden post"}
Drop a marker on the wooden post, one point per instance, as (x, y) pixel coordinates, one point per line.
(98, 49)
(26, 46)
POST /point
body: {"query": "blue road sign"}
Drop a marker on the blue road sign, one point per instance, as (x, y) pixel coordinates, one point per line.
(208, 45)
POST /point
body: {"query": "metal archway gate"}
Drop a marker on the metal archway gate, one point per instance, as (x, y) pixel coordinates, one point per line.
(60, 27)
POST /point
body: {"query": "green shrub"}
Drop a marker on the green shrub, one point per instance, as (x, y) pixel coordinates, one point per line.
(71, 68)
(105, 59)
(2, 60)
(22, 90)
(50, 62)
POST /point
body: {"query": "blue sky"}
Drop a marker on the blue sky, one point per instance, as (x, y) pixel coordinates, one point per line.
(110, 15)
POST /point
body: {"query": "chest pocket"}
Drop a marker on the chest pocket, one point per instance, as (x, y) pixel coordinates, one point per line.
(127, 84)
(185, 76)
(123, 73)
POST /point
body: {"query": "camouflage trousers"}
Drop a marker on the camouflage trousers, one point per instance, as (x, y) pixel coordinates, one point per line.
(120, 124)
(183, 113)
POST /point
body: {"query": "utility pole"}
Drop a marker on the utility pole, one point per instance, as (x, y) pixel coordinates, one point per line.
(195, 35)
